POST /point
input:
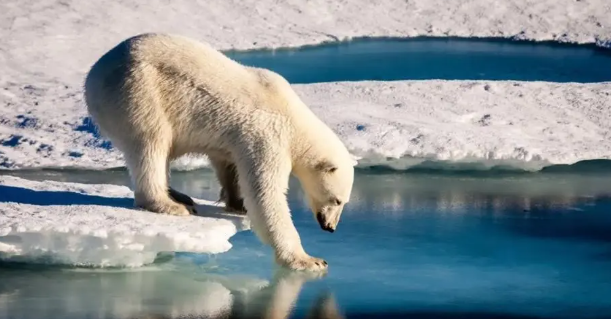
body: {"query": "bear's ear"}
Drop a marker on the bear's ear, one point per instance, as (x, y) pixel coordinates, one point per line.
(326, 166)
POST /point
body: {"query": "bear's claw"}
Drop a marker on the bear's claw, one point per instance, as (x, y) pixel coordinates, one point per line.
(236, 207)
(183, 199)
(168, 208)
(180, 197)
(305, 263)
(192, 210)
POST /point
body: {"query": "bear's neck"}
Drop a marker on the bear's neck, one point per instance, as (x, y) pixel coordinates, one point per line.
(312, 144)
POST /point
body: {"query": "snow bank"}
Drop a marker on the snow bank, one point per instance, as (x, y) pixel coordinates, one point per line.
(95, 225)
(525, 125)
(400, 124)
(48, 46)
(60, 39)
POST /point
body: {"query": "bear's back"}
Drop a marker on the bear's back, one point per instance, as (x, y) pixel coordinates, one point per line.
(178, 63)
(185, 57)
(213, 71)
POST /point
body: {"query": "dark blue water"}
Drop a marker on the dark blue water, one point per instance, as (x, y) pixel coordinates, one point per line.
(435, 58)
(425, 245)
(411, 245)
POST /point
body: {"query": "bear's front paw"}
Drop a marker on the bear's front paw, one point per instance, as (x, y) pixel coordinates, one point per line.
(304, 262)
(178, 210)
(169, 208)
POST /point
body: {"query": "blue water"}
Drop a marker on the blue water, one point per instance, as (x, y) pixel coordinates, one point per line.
(533, 245)
(417, 244)
(435, 58)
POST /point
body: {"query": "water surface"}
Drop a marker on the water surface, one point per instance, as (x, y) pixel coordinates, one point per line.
(423, 245)
(435, 58)
(527, 245)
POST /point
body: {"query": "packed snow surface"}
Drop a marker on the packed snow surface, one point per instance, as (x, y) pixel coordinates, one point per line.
(41, 34)
(96, 225)
(49, 45)
(525, 125)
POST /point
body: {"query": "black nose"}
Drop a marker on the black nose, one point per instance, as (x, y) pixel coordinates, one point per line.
(320, 219)
(323, 224)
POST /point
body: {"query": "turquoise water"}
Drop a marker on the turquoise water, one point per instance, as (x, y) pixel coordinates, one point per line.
(520, 246)
(418, 245)
(435, 58)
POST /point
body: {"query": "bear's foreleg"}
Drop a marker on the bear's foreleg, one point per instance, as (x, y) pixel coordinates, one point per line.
(263, 177)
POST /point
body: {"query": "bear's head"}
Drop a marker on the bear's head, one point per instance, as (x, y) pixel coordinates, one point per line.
(328, 186)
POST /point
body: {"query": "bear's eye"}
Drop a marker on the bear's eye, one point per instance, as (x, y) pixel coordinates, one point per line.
(337, 201)
(326, 167)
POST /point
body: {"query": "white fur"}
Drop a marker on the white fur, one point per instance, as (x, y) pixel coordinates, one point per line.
(158, 97)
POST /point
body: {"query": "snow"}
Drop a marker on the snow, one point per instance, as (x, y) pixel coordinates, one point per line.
(82, 30)
(400, 124)
(48, 46)
(525, 125)
(96, 225)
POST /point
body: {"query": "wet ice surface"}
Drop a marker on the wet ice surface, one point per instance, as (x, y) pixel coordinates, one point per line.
(534, 245)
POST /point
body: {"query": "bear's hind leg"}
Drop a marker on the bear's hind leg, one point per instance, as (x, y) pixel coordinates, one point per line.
(231, 193)
(178, 196)
(148, 170)
(227, 175)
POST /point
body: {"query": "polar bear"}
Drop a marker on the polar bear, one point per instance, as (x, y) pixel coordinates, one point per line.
(157, 97)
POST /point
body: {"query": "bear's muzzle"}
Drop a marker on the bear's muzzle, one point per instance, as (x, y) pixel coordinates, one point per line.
(324, 224)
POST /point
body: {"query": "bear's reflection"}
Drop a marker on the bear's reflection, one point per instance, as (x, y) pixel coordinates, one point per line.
(152, 293)
(274, 301)
(277, 300)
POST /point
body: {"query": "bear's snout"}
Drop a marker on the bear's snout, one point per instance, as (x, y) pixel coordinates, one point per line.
(323, 223)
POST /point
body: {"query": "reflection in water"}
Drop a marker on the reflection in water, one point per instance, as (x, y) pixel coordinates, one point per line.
(402, 193)
(278, 299)
(417, 245)
(151, 293)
